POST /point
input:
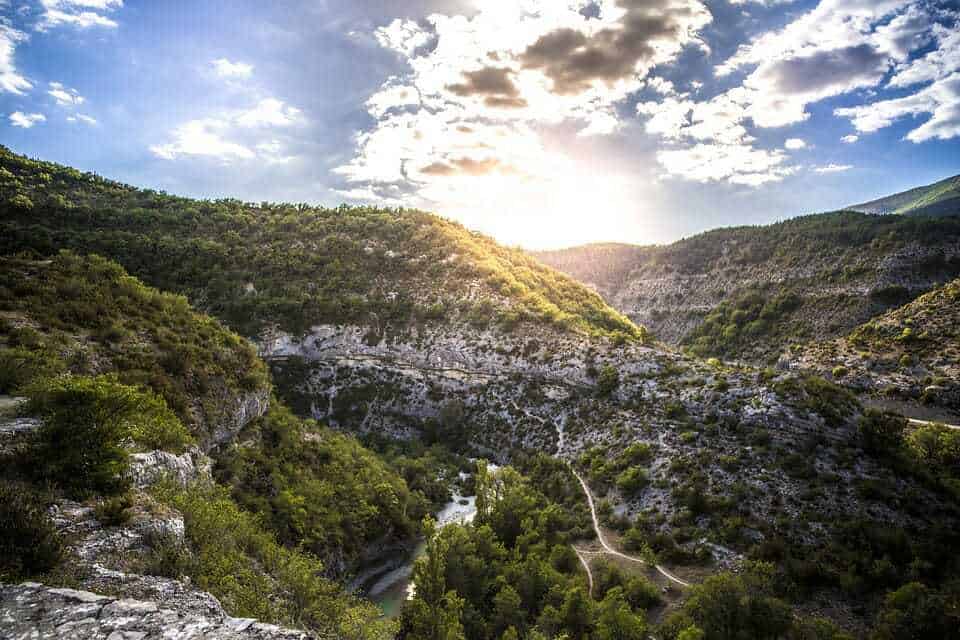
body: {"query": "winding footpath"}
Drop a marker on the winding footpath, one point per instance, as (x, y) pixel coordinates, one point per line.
(610, 550)
(927, 423)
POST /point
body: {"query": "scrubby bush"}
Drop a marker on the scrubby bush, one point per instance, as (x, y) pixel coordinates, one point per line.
(87, 424)
(29, 544)
(881, 433)
(608, 381)
(114, 511)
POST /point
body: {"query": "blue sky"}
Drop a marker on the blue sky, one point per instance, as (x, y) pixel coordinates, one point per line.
(541, 122)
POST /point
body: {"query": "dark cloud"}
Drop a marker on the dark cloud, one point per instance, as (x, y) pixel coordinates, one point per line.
(464, 166)
(494, 83)
(825, 70)
(575, 61)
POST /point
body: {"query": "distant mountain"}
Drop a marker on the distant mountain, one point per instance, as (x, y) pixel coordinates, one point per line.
(940, 198)
(748, 293)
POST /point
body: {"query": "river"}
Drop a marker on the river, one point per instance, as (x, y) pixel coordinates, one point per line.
(391, 589)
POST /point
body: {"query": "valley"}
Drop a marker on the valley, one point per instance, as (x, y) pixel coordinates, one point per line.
(310, 408)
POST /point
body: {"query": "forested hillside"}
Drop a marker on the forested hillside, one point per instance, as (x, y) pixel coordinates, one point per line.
(119, 384)
(418, 335)
(750, 292)
(940, 198)
(256, 266)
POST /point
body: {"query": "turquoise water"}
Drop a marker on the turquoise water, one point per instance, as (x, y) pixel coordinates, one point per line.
(395, 587)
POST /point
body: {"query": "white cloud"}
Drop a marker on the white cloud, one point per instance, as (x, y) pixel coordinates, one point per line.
(484, 91)
(10, 79)
(228, 69)
(834, 49)
(235, 135)
(833, 168)
(203, 137)
(269, 112)
(850, 139)
(82, 14)
(794, 144)
(403, 36)
(26, 120)
(85, 119)
(65, 96)
(392, 97)
(735, 163)
(934, 65)
(940, 100)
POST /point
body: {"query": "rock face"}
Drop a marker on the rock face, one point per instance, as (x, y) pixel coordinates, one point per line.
(721, 431)
(843, 268)
(240, 411)
(148, 468)
(30, 611)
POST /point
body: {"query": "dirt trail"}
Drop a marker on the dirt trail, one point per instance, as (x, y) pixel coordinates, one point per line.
(610, 550)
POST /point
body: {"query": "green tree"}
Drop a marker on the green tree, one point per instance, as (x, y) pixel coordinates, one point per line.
(86, 423)
(608, 381)
(435, 613)
(576, 614)
(916, 611)
(881, 432)
(734, 607)
(507, 610)
(616, 621)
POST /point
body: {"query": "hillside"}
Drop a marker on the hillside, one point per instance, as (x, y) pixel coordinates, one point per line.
(749, 293)
(911, 354)
(86, 316)
(142, 456)
(293, 266)
(940, 198)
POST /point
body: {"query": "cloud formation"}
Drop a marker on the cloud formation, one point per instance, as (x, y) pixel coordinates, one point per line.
(837, 48)
(26, 120)
(65, 96)
(232, 70)
(82, 14)
(11, 81)
(482, 91)
(229, 136)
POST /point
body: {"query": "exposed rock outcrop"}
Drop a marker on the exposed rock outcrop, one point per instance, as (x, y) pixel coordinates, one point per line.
(148, 468)
(30, 611)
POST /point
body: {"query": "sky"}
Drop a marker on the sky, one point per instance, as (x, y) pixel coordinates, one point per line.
(544, 123)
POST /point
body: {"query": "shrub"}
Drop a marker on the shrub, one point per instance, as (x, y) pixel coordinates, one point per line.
(641, 593)
(632, 480)
(87, 422)
(114, 511)
(840, 372)
(608, 381)
(881, 432)
(19, 367)
(29, 544)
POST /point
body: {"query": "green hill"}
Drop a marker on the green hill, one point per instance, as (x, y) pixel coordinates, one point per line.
(293, 266)
(940, 198)
(121, 373)
(86, 316)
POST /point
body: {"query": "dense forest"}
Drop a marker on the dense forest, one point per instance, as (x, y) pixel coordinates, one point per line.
(260, 265)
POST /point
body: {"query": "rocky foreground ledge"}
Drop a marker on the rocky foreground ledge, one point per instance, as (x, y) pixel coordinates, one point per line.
(33, 611)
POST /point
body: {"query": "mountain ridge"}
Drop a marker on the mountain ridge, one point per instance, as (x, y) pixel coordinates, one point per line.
(939, 198)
